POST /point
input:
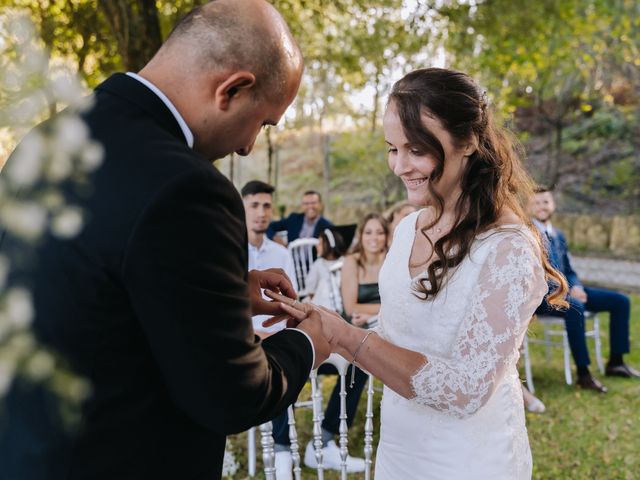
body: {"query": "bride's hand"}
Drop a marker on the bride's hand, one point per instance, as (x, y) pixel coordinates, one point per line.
(332, 323)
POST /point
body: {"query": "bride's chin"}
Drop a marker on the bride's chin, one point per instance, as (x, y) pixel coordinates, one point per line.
(420, 200)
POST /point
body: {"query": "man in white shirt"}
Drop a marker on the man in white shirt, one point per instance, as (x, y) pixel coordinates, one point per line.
(264, 254)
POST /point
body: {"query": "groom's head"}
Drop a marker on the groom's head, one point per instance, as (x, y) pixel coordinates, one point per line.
(230, 67)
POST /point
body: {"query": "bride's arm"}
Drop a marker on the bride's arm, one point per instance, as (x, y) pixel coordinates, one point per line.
(510, 287)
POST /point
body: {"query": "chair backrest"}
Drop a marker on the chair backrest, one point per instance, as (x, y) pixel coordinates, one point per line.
(302, 251)
(335, 281)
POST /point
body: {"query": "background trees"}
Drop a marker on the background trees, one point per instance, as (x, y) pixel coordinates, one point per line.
(565, 76)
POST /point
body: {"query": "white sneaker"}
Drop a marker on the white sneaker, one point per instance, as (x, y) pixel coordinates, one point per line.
(331, 458)
(284, 466)
(536, 406)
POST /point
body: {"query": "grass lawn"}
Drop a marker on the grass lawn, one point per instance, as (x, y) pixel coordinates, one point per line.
(582, 435)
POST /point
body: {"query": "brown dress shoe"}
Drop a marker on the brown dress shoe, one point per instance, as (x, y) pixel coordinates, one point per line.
(589, 383)
(621, 371)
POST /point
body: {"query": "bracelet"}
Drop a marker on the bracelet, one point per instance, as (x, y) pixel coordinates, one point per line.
(355, 355)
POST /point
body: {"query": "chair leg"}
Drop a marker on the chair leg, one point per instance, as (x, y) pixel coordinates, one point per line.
(268, 454)
(316, 396)
(251, 451)
(368, 431)
(547, 346)
(598, 342)
(343, 429)
(295, 446)
(527, 365)
(567, 358)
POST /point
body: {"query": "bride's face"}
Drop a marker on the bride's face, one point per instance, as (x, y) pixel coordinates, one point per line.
(415, 166)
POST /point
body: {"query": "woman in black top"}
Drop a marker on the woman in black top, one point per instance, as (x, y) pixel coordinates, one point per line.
(360, 294)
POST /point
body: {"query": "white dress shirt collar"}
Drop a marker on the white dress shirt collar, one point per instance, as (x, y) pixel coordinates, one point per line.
(183, 125)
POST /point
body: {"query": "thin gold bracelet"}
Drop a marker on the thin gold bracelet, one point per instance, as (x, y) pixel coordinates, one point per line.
(355, 355)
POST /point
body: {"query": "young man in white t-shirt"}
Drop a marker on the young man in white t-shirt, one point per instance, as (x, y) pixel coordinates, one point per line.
(257, 197)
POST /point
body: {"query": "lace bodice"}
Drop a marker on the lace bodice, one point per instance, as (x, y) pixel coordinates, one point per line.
(471, 332)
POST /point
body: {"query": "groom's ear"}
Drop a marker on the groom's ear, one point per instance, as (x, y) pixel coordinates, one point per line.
(232, 86)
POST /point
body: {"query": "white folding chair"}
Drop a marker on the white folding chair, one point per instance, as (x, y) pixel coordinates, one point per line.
(554, 327)
(302, 251)
(315, 403)
(335, 279)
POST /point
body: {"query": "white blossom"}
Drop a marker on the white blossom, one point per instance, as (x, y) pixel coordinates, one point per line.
(67, 223)
(43, 159)
(92, 155)
(59, 167)
(4, 271)
(66, 88)
(28, 109)
(35, 61)
(21, 28)
(71, 134)
(40, 365)
(5, 325)
(12, 78)
(6, 375)
(19, 307)
(27, 220)
(26, 164)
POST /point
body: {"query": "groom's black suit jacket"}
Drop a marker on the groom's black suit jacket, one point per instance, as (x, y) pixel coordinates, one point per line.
(150, 303)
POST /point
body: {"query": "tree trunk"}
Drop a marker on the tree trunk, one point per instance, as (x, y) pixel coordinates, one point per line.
(376, 101)
(270, 154)
(136, 28)
(555, 155)
(326, 166)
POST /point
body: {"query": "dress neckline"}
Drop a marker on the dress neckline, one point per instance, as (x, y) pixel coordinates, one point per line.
(481, 235)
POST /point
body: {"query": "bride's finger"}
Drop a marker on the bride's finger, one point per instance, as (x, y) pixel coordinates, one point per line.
(281, 298)
(276, 319)
(294, 312)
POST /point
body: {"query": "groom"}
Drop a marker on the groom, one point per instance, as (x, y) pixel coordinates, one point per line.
(151, 302)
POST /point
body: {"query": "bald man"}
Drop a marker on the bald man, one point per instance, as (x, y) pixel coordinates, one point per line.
(151, 302)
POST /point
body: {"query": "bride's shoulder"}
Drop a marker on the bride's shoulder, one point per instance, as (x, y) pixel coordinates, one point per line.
(409, 222)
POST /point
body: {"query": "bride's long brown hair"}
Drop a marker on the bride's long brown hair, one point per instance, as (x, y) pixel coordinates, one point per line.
(493, 179)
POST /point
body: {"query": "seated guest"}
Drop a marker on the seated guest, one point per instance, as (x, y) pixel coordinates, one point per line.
(360, 295)
(257, 197)
(319, 286)
(264, 253)
(396, 213)
(307, 224)
(583, 298)
(331, 249)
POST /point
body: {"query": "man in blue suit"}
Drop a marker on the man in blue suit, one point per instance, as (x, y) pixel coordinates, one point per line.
(583, 298)
(307, 224)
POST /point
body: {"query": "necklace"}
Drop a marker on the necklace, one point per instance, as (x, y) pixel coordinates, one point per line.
(437, 230)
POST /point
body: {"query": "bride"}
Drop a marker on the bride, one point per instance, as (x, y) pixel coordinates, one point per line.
(459, 285)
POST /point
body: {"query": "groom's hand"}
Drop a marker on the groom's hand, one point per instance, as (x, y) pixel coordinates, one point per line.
(273, 279)
(332, 325)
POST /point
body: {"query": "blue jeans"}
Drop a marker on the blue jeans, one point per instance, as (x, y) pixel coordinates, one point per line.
(598, 300)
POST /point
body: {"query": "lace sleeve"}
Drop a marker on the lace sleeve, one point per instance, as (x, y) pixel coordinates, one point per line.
(510, 287)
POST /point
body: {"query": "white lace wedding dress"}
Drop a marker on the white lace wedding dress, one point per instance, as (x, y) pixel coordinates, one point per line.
(467, 419)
